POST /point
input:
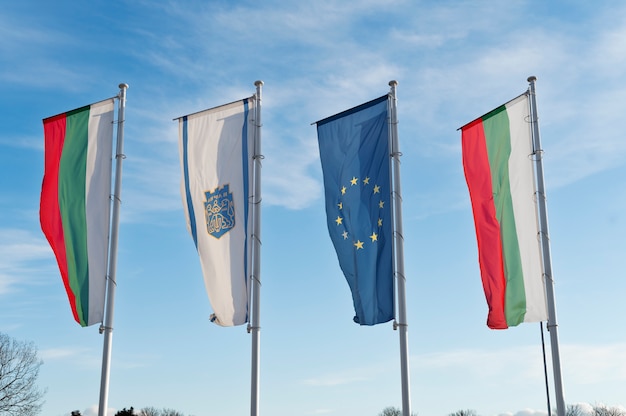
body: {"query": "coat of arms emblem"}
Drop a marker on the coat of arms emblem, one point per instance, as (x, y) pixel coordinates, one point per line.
(219, 211)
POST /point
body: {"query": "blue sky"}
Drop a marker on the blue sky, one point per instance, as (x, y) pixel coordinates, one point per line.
(454, 60)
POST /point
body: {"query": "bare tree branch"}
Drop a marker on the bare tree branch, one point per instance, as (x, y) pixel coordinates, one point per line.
(19, 369)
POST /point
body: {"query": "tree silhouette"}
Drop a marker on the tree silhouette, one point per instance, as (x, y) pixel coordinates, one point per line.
(151, 411)
(575, 410)
(465, 412)
(393, 411)
(602, 410)
(19, 369)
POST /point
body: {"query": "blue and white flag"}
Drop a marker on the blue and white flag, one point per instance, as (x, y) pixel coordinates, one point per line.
(355, 156)
(216, 149)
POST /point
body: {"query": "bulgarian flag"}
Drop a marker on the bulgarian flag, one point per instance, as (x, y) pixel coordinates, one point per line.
(75, 203)
(498, 165)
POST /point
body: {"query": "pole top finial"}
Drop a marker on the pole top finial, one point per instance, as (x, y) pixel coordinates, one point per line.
(393, 82)
(532, 78)
(258, 83)
(123, 85)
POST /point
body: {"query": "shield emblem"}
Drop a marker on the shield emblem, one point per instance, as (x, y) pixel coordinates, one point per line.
(219, 211)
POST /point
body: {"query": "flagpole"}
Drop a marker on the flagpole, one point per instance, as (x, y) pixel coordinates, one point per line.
(399, 256)
(545, 247)
(254, 325)
(107, 326)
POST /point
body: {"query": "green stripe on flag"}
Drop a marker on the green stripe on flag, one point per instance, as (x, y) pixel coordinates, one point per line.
(72, 185)
(497, 134)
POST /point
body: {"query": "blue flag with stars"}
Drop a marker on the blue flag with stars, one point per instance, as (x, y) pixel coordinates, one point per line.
(355, 156)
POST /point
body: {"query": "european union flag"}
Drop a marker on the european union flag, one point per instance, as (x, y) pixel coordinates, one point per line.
(355, 156)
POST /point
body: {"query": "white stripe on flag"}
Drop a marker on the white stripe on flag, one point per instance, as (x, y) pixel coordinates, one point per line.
(98, 202)
(521, 178)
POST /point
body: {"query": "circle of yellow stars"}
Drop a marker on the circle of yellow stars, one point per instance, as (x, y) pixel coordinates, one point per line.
(358, 244)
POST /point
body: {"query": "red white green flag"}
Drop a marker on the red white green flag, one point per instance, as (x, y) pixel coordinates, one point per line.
(75, 203)
(498, 165)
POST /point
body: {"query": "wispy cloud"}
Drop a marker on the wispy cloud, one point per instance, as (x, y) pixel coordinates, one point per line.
(580, 93)
(588, 371)
(80, 358)
(21, 254)
(29, 55)
(51, 354)
(454, 85)
(331, 83)
(483, 364)
(582, 364)
(35, 143)
(591, 364)
(348, 376)
(91, 360)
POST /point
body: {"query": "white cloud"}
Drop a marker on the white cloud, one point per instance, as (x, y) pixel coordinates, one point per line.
(61, 353)
(526, 412)
(93, 411)
(591, 364)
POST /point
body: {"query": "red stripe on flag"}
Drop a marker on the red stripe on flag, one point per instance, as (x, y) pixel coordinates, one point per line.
(478, 177)
(49, 212)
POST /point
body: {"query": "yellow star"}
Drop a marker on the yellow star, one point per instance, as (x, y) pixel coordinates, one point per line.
(358, 245)
(340, 205)
(344, 235)
(380, 222)
(354, 181)
(381, 204)
(366, 181)
(374, 237)
(343, 190)
(376, 189)
(339, 220)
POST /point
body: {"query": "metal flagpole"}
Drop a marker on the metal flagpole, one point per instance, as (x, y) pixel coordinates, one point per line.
(107, 326)
(254, 326)
(545, 247)
(399, 256)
